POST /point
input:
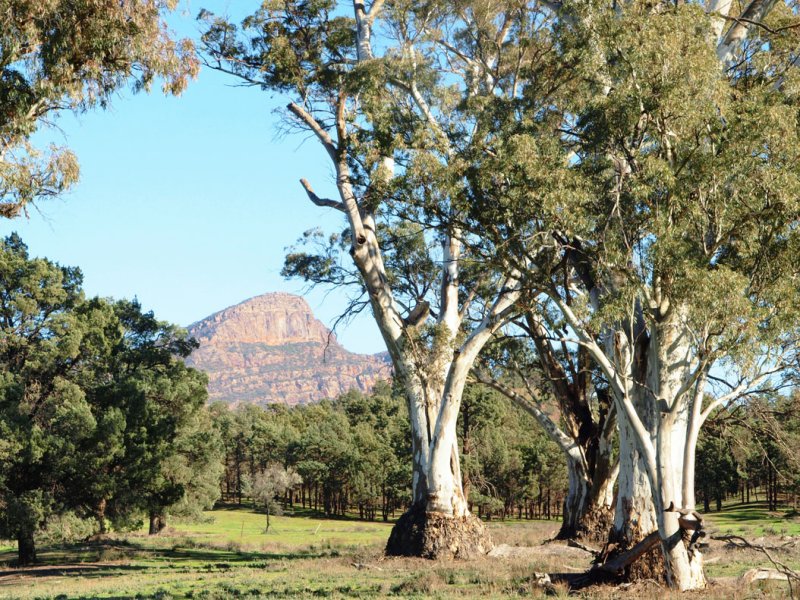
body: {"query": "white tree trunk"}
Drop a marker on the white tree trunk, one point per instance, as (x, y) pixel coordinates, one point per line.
(634, 515)
(445, 494)
(669, 372)
(577, 502)
(684, 566)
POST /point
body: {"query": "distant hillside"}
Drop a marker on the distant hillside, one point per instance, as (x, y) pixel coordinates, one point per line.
(271, 348)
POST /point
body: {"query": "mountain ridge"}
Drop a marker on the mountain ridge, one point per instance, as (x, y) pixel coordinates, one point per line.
(272, 349)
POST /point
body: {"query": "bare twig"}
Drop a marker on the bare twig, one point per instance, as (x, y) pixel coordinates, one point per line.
(791, 575)
(762, 25)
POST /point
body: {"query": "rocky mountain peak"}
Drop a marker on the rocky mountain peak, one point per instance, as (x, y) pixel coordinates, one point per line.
(271, 348)
(272, 319)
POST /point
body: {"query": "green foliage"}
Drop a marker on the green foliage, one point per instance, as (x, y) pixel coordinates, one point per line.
(752, 446)
(675, 180)
(292, 46)
(98, 413)
(65, 528)
(44, 415)
(73, 56)
(716, 472)
(353, 453)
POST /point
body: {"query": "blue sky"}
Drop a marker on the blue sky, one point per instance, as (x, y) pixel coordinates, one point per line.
(189, 203)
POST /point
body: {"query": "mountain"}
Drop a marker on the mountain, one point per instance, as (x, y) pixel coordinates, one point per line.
(271, 348)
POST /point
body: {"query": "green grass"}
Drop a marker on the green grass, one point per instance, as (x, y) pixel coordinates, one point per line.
(306, 556)
(228, 555)
(752, 520)
(241, 525)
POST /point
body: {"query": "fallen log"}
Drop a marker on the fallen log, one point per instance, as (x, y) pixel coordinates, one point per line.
(752, 575)
(617, 564)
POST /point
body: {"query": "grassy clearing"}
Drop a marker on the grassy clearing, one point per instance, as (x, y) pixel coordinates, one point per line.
(232, 558)
(753, 520)
(304, 556)
(303, 529)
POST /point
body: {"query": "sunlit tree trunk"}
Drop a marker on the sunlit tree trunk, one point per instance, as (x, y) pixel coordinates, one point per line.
(634, 512)
(669, 370)
(439, 522)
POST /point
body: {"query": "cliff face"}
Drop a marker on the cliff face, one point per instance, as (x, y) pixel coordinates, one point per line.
(271, 348)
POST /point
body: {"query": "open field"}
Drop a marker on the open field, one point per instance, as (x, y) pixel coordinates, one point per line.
(307, 557)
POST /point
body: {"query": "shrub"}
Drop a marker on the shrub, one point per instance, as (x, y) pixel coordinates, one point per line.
(65, 528)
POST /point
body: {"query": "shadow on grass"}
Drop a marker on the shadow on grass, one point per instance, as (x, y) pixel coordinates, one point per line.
(110, 557)
(83, 570)
(745, 512)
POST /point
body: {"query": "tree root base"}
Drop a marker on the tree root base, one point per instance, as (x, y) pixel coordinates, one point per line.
(631, 561)
(592, 528)
(438, 536)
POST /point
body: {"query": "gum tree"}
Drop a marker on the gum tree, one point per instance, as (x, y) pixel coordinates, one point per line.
(570, 400)
(379, 118)
(629, 193)
(667, 188)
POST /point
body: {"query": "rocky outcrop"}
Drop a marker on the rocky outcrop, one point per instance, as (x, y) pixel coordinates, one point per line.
(271, 349)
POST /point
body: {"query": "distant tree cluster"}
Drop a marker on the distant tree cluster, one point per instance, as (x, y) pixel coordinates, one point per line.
(99, 416)
(752, 451)
(353, 455)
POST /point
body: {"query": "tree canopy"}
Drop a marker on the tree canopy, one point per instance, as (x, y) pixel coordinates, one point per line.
(98, 413)
(624, 175)
(73, 56)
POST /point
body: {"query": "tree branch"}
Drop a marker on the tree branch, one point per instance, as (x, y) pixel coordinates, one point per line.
(755, 12)
(565, 442)
(314, 125)
(327, 202)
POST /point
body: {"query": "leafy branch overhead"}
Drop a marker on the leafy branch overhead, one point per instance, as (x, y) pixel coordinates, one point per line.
(73, 56)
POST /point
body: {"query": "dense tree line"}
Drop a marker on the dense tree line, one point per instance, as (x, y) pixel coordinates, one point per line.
(99, 416)
(751, 453)
(353, 455)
